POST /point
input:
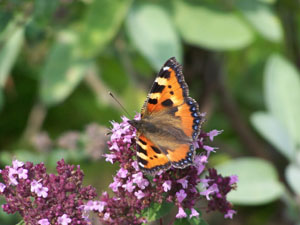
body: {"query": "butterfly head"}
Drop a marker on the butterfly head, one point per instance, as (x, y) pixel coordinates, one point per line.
(143, 126)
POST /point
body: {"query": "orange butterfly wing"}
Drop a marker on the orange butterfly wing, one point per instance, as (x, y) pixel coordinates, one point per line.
(170, 92)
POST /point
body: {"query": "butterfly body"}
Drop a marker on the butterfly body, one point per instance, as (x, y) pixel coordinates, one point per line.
(170, 122)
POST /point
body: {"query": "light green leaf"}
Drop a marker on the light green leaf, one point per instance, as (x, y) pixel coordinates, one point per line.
(22, 222)
(258, 181)
(9, 52)
(211, 28)
(268, 1)
(156, 211)
(263, 19)
(292, 175)
(101, 24)
(63, 70)
(269, 127)
(151, 30)
(282, 94)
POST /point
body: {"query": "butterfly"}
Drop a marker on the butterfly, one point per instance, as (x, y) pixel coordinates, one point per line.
(170, 123)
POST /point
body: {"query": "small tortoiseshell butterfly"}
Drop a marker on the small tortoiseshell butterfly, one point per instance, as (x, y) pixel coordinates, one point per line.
(170, 122)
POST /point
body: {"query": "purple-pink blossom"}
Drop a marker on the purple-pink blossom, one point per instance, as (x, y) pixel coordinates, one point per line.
(64, 220)
(181, 213)
(41, 198)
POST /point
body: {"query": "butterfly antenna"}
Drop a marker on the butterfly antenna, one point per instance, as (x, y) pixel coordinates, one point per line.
(111, 94)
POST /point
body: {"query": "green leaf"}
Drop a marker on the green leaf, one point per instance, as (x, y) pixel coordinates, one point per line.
(292, 175)
(211, 28)
(272, 130)
(62, 72)
(22, 155)
(22, 222)
(1, 99)
(156, 211)
(151, 30)
(9, 53)
(258, 181)
(192, 221)
(101, 24)
(263, 19)
(282, 94)
(182, 222)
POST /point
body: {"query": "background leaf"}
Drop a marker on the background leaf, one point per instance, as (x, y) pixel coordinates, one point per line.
(9, 53)
(272, 130)
(151, 30)
(282, 94)
(210, 27)
(101, 24)
(262, 18)
(292, 175)
(62, 72)
(258, 181)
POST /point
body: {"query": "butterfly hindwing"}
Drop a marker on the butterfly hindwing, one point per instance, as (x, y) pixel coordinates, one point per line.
(149, 157)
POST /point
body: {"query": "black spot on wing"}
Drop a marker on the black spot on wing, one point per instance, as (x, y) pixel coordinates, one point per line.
(156, 88)
(156, 149)
(164, 73)
(143, 161)
(152, 101)
(141, 150)
(172, 92)
(167, 103)
(143, 142)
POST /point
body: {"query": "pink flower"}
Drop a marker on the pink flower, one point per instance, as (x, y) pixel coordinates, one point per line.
(211, 190)
(99, 206)
(37, 188)
(114, 186)
(139, 194)
(2, 187)
(22, 173)
(138, 178)
(181, 213)
(109, 158)
(34, 186)
(106, 216)
(135, 165)
(167, 185)
(64, 220)
(183, 182)
(230, 213)
(128, 186)
(43, 222)
(209, 149)
(42, 192)
(16, 164)
(12, 178)
(181, 195)
(194, 213)
(233, 179)
(122, 173)
(214, 133)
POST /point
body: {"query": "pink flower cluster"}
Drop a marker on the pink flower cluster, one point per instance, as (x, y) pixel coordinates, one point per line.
(43, 198)
(135, 192)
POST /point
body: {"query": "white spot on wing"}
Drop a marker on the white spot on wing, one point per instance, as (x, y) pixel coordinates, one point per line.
(141, 164)
(161, 80)
(166, 68)
(142, 155)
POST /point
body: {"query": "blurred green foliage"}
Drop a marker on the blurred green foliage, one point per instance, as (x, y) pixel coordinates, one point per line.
(59, 59)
